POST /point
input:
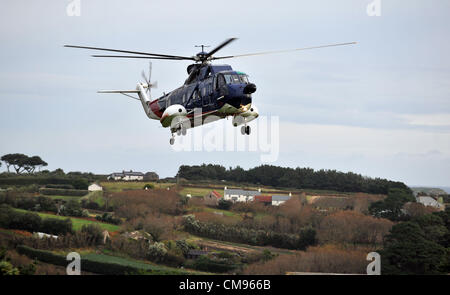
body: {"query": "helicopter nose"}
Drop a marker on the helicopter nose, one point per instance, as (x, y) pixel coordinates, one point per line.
(250, 88)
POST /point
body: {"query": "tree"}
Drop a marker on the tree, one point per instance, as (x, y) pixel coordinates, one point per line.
(16, 160)
(22, 162)
(407, 250)
(391, 207)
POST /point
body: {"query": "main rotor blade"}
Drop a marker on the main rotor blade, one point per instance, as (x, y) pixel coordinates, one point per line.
(132, 52)
(283, 51)
(137, 56)
(222, 45)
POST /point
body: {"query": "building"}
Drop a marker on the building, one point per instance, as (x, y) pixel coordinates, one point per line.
(278, 200)
(95, 187)
(239, 195)
(212, 199)
(126, 176)
(429, 201)
(266, 200)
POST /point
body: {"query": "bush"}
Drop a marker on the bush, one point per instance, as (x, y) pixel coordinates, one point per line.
(33, 222)
(109, 218)
(56, 226)
(90, 205)
(63, 192)
(87, 264)
(7, 268)
(213, 265)
(224, 205)
(148, 186)
(94, 232)
(72, 208)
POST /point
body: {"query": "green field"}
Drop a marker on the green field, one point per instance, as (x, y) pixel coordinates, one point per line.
(130, 262)
(77, 223)
(64, 198)
(196, 191)
(118, 186)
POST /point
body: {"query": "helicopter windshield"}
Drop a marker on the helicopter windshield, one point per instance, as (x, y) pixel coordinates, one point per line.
(236, 79)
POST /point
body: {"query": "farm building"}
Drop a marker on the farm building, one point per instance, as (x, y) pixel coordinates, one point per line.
(429, 201)
(95, 187)
(126, 176)
(239, 195)
(278, 200)
(212, 199)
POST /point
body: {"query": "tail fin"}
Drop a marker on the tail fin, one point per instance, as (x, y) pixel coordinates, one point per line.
(145, 100)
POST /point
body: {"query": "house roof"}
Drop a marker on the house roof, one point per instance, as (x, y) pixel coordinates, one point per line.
(428, 201)
(125, 173)
(216, 194)
(280, 198)
(240, 192)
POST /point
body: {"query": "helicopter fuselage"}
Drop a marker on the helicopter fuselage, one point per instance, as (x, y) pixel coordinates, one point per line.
(210, 90)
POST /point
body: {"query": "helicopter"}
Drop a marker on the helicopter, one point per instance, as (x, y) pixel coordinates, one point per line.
(210, 92)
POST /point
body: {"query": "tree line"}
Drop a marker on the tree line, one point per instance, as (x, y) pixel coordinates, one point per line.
(300, 178)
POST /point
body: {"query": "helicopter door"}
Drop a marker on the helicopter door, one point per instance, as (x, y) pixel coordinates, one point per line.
(219, 86)
(207, 93)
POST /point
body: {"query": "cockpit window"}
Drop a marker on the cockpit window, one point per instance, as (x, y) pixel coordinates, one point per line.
(235, 79)
(244, 78)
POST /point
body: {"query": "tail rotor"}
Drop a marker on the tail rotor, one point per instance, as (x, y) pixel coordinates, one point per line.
(148, 84)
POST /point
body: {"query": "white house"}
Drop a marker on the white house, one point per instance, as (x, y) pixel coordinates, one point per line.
(126, 176)
(239, 195)
(44, 235)
(95, 187)
(429, 201)
(278, 200)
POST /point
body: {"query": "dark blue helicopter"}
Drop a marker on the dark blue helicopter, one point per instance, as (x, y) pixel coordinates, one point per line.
(210, 92)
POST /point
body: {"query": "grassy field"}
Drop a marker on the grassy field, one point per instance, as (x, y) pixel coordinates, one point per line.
(96, 197)
(127, 262)
(65, 198)
(77, 223)
(197, 191)
(118, 186)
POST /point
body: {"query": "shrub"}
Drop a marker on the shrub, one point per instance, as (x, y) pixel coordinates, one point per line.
(224, 205)
(7, 268)
(63, 192)
(56, 226)
(94, 232)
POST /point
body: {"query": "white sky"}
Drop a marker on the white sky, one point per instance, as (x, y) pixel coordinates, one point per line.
(380, 108)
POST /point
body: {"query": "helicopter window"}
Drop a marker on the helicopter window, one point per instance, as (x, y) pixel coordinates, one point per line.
(220, 81)
(232, 79)
(244, 78)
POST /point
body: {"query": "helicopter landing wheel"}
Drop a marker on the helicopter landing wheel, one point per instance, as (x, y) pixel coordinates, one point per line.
(179, 132)
(245, 130)
(172, 140)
